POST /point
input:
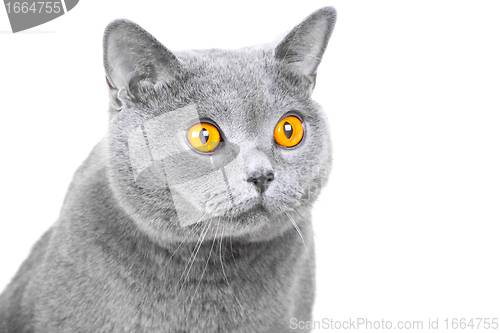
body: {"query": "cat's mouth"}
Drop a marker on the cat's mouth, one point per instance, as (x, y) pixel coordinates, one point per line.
(252, 213)
(256, 205)
(243, 204)
(240, 208)
(249, 205)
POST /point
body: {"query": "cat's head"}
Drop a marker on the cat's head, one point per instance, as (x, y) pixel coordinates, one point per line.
(228, 138)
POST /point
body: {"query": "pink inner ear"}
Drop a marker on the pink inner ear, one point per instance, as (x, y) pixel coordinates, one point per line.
(109, 84)
(313, 76)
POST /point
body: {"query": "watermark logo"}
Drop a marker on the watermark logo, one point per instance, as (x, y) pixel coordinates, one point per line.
(28, 14)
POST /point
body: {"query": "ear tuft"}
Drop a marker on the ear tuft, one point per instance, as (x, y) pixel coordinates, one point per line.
(133, 56)
(302, 48)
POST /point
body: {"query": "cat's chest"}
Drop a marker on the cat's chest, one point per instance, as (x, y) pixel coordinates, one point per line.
(220, 292)
(108, 292)
(201, 307)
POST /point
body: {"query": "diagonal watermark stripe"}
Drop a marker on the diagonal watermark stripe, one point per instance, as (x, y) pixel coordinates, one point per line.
(159, 161)
(28, 14)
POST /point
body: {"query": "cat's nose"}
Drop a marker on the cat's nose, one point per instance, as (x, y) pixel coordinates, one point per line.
(261, 180)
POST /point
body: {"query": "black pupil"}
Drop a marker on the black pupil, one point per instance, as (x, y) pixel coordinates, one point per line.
(288, 129)
(204, 134)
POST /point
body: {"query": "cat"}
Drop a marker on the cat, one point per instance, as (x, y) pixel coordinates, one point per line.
(193, 214)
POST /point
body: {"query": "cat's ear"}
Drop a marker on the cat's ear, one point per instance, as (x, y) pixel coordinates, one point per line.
(302, 48)
(132, 56)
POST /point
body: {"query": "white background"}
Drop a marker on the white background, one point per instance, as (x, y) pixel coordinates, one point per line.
(407, 228)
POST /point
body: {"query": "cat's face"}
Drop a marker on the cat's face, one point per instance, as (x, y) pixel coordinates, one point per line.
(230, 139)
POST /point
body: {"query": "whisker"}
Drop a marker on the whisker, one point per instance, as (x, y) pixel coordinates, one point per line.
(223, 271)
(201, 218)
(198, 244)
(194, 258)
(185, 268)
(220, 252)
(206, 265)
(315, 200)
(303, 241)
(285, 229)
(196, 227)
(231, 245)
(306, 222)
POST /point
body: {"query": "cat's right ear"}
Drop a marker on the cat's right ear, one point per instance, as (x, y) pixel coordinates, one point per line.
(133, 57)
(302, 48)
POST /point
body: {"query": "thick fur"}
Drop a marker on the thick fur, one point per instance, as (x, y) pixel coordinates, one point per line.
(118, 259)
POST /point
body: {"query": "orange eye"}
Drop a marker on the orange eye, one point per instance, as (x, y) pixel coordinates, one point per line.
(289, 131)
(204, 137)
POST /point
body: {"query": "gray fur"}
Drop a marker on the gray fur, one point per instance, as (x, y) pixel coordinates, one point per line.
(117, 259)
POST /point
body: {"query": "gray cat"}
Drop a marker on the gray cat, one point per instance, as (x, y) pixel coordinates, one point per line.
(193, 214)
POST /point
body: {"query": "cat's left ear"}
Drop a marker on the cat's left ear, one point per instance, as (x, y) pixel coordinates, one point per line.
(302, 48)
(133, 57)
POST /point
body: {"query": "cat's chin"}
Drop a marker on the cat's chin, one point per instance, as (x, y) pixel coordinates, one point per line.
(255, 209)
(258, 224)
(255, 213)
(258, 221)
(254, 204)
